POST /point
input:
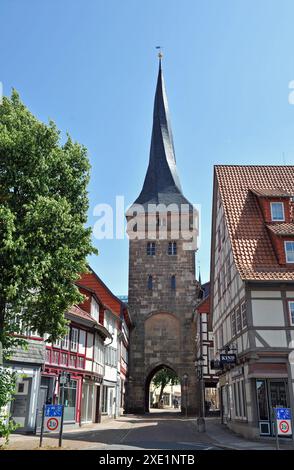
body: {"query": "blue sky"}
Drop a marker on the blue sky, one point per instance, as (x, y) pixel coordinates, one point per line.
(90, 65)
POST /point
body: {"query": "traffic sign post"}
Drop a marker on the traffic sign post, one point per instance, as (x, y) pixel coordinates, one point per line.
(52, 421)
(283, 425)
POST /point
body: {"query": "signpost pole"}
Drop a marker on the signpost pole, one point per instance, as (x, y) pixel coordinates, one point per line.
(42, 426)
(276, 430)
(61, 428)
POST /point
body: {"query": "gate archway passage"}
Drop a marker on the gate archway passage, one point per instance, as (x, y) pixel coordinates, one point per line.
(163, 389)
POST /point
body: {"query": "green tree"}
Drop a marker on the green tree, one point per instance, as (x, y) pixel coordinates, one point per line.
(43, 211)
(163, 378)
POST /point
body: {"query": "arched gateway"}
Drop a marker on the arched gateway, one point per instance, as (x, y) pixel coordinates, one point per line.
(149, 377)
(162, 287)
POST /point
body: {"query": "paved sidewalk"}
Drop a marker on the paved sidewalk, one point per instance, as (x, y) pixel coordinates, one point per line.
(94, 435)
(222, 436)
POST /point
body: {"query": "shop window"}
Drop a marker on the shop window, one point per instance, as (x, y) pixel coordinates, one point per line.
(67, 397)
(289, 251)
(277, 211)
(291, 311)
(262, 400)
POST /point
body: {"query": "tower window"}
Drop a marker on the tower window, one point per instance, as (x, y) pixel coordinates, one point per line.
(150, 283)
(173, 282)
(277, 211)
(172, 248)
(151, 248)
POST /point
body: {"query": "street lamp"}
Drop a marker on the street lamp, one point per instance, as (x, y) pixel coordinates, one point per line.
(199, 364)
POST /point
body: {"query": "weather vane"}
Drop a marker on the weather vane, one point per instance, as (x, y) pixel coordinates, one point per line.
(160, 55)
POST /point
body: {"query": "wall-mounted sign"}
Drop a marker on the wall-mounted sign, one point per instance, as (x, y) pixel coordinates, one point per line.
(228, 358)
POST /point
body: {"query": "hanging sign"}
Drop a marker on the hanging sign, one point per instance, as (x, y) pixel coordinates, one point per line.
(228, 358)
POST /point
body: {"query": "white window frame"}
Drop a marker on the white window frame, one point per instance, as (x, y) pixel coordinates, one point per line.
(272, 217)
(290, 312)
(74, 339)
(286, 252)
(65, 341)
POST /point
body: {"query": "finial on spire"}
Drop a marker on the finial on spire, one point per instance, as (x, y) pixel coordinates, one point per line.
(160, 54)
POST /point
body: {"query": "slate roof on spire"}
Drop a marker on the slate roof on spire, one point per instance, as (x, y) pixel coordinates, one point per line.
(162, 184)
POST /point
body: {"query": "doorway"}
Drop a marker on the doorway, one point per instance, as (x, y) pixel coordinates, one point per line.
(271, 393)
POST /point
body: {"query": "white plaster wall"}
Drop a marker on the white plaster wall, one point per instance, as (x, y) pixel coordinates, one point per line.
(267, 312)
(273, 338)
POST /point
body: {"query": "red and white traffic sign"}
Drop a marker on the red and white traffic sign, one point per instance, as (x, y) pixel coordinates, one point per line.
(284, 427)
(52, 424)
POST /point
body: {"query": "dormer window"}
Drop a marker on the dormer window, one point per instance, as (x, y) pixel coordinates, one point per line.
(289, 252)
(277, 212)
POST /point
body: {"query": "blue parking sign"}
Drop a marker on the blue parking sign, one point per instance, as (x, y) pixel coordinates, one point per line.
(283, 413)
(53, 411)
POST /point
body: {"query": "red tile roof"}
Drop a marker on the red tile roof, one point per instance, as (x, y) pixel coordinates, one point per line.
(267, 192)
(79, 312)
(76, 311)
(92, 281)
(281, 228)
(252, 248)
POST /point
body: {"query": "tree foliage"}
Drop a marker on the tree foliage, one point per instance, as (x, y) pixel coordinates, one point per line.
(163, 378)
(43, 210)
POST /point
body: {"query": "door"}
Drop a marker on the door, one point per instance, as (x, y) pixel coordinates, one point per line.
(20, 406)
(270, 394)
(277, 398)
(42, 400)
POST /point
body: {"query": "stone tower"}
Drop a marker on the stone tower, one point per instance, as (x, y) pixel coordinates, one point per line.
(162, 288)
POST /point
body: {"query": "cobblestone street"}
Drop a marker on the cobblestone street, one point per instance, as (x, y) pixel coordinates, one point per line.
(156, 430)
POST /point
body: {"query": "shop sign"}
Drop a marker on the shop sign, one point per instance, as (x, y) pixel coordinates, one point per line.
(228, 358)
